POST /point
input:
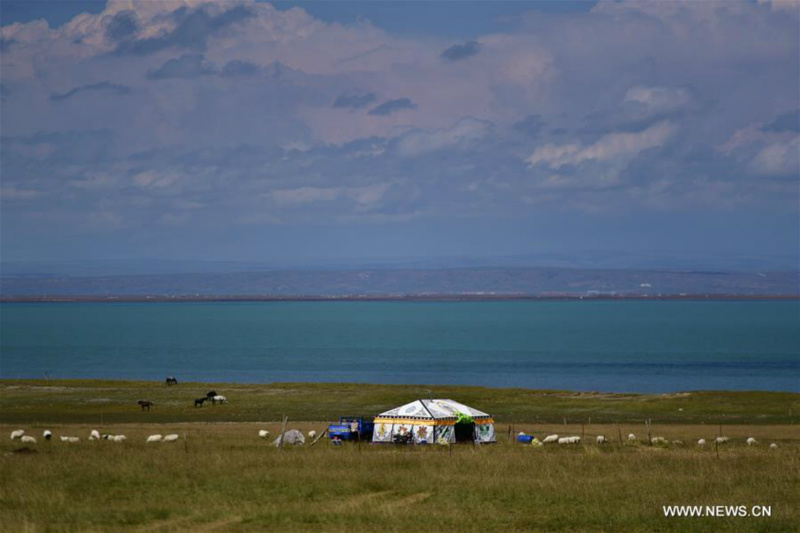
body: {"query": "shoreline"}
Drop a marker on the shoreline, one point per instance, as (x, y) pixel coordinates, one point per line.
(467, 297)
(98, 382)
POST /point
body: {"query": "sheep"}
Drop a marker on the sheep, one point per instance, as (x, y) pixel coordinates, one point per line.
(27, 439)
(773, 446)
(721, 440)
(94, 435)
(631, 437)
(17, 434)
(69, 439)
(701, 442)
(154, 438)
(312, 434)
(659, 440)
(550, 439)
(47, 434)
(171, 438)
(569, 440)
(751, 441)
(263, 434)
(677, 442)
(120, 438)
(601, 439)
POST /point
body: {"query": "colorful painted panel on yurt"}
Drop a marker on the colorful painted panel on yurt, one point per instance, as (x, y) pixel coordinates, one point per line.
(401, 429)
(484, 433)
(423, 434)
(382, 433)
(445, 435)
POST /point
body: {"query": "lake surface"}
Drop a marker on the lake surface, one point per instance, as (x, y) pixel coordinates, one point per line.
(627, 346)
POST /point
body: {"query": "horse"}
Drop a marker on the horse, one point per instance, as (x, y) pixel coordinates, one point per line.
(198, 402)
(210, 394)
(145, 404)
(218, 399)
(171, 381)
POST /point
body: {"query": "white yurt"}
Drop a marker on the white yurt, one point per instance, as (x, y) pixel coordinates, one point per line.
(434, 421)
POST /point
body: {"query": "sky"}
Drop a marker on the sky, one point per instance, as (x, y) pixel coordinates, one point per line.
(330, 131)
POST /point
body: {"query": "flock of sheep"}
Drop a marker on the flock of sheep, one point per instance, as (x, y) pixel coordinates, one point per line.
(47, 435)
(601, 439)
(296, 437)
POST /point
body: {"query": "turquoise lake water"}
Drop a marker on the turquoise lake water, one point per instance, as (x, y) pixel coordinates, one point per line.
(631, 346)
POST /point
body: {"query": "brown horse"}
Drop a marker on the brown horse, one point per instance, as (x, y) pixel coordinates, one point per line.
(145, 404)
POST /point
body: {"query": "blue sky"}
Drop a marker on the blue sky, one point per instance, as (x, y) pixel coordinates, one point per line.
(353, 130)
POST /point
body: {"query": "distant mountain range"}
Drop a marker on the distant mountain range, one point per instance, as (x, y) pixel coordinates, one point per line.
(355, 282)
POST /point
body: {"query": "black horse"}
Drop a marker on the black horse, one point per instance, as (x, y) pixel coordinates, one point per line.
(172, 381)
(198, 402)
(210, 394)
(145, 404)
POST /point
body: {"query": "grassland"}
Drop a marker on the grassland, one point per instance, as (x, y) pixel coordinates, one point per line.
(223, 478)
(95, 401)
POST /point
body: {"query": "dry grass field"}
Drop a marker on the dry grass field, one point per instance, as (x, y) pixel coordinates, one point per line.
(222, 477)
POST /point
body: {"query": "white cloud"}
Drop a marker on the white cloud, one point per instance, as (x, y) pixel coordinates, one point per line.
(14, 193)
(611, 146)
(305, 195)
(656, 100)
(370, 195)
(462, 134)
(779, 158)
(365, 197)
(155, 180)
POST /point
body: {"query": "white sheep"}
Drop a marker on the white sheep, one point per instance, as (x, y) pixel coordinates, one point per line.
(569, 440)
(773, 446)
(659, 440)
(677, 442)
(721, 440)
(751, 441)
(263, 434)
(154, 438)
(17, 434)
(631, 437)
(120, 438)
(601, 439)
(27, 439)
(47, 434)
(94, 435)
(69, 439)
(171, 438)
(312, 434)
(701, 442)
(550, 439)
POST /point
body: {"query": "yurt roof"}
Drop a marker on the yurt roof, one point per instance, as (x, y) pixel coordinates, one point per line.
(433, 410)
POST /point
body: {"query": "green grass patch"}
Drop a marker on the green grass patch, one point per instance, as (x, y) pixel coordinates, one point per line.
(82, 401)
